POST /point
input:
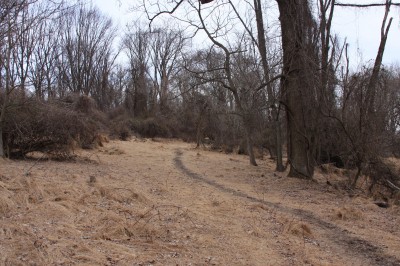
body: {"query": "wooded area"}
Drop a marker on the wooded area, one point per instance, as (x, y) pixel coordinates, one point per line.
(249, 87)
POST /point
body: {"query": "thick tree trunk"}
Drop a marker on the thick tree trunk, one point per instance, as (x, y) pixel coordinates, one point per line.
(262, 47)
(247, 126)
(6, 92)
(199, 135)
(296, 22)
(249, 143)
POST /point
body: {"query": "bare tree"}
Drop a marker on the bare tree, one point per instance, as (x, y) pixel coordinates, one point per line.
(310, 61)
(8, 17)
(217, 28)
(154, 59)
(361, 114)
(298, 59)
(166, 48)
(137, 47)
(18, 20)
(119, 82)
(87, 50)
(299, 71)
(43, 73)
(260, 41)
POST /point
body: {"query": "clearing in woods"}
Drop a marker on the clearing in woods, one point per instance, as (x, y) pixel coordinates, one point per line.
(163, 202)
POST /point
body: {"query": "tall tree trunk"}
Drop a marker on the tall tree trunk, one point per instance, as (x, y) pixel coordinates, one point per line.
(7, 90)
(247, 126)
(249, 143)
(164, 91)
(2, 153)
(3, 111)
(296, 22)
(279, 153)
(371, 90)
(262, 48)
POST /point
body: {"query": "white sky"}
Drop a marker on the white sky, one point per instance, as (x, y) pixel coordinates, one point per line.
(361, 27)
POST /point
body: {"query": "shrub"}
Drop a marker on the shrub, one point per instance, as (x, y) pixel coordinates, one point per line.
(383, 173)
(150, 128)
(117, 112)
(120, 123)
(54, 128)
(85, 104)
(120, 129)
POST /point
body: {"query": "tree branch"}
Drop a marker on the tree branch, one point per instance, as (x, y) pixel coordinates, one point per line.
(165, 12)
(364, 5)
(270, 81)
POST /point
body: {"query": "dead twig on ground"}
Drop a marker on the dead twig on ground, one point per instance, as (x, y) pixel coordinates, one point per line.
(393, 185)
(27, 172)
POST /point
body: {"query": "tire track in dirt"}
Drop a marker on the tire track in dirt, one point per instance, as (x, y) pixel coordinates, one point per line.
(342, 238)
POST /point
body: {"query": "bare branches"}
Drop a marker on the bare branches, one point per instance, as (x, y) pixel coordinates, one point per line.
(364, 5)
(170, 12)
(271, 80)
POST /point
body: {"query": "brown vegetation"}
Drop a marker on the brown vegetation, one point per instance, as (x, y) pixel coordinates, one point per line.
(143, 202)
(51, 127)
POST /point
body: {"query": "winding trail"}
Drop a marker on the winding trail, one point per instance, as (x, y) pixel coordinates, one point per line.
(341, 238)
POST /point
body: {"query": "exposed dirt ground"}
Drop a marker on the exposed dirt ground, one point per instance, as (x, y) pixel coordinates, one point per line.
(162, 202)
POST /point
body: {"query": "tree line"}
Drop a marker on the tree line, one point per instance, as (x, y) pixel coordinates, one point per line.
(285, 85)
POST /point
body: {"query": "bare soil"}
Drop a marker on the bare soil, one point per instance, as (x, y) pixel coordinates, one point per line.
(162, 202)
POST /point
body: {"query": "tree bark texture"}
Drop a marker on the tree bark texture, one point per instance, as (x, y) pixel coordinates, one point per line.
(298, 64)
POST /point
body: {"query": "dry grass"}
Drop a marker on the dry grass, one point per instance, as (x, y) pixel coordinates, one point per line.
(347, 213)
(298, 229)
(163, 202)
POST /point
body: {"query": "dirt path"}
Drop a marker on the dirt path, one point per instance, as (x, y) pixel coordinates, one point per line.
(346, 243)
(166, 203)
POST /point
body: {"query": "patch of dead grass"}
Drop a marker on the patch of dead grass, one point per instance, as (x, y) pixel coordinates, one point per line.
(6, 204)
(297, 228)
(113, 150)
(347, 214)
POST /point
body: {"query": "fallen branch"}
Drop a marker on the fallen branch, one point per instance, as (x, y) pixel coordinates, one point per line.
(393, 185)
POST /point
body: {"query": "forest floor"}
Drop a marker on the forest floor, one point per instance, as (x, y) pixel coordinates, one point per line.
(163, 202)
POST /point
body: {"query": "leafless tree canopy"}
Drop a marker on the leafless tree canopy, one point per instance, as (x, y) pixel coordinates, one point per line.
(267, 76)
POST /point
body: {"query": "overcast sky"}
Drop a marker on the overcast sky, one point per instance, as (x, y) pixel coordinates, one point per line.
(361, 27)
